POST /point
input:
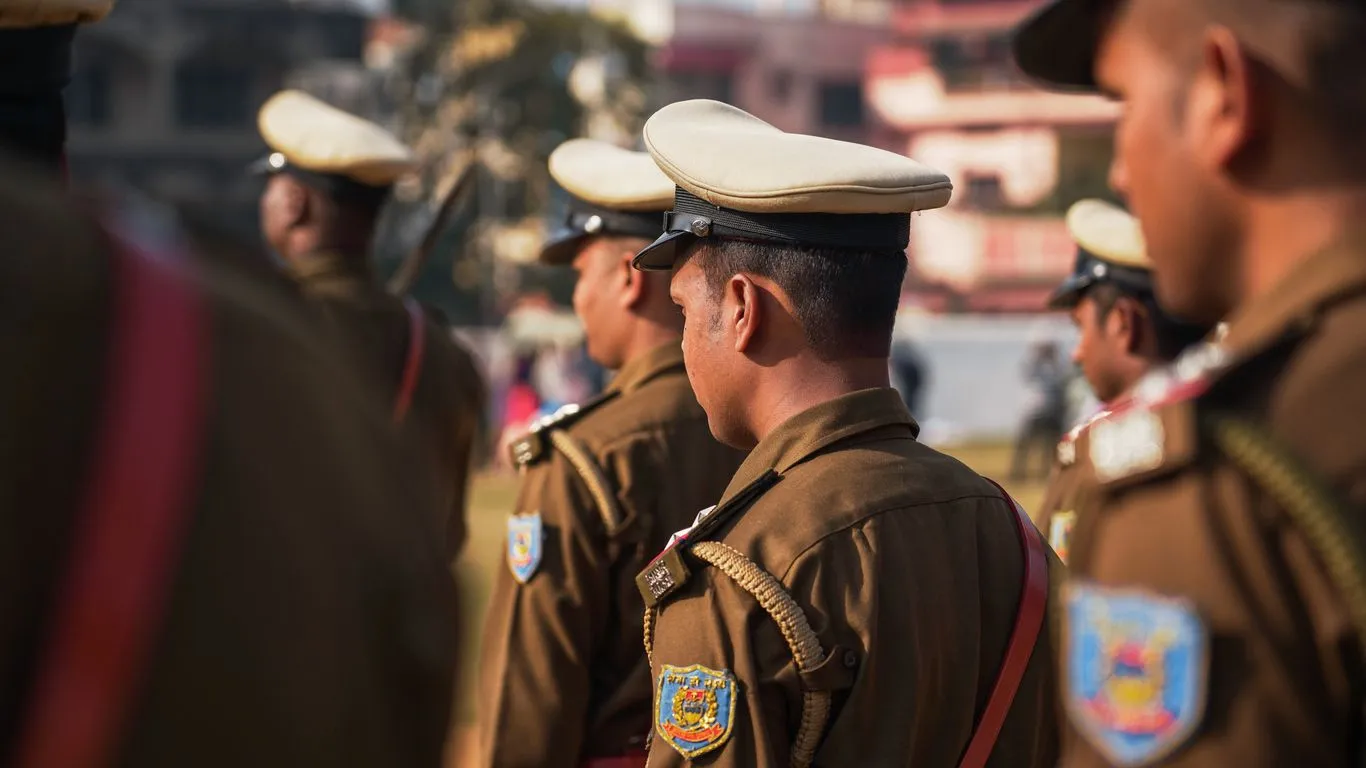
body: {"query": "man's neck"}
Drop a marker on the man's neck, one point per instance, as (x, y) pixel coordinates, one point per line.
(1285, 233)
(799, 384)
(647, 335)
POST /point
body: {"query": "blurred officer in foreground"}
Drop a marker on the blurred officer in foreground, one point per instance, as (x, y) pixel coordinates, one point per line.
(329, 174)
(564, 680)
(856, 599)
(1218, 607)
(213, 550)
(1122, 333)
(35, 65)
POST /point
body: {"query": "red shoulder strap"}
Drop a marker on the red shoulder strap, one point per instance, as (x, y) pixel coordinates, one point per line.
(127, 535)
(412, 364)
(1024, 636)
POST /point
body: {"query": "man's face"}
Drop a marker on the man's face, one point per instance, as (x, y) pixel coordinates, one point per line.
(708, 352)
(599, 297)
(1163, 164)
(279, 211)
(1100, 348)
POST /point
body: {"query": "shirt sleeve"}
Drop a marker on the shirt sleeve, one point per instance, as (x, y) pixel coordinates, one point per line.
(541, 630)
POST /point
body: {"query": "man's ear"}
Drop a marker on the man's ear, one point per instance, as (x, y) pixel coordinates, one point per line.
(296, 203)
(741, 309)
(1128, 319)
(1224, 103)
(633, 281)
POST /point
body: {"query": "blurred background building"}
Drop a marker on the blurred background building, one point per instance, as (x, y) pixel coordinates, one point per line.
(165, 95)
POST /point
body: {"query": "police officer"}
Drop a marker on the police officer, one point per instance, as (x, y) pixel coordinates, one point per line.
(329, 174)
(214, 550)
(35, 65)
(1122, 334)
(855, 598)
(564, 681)
(1215, 610)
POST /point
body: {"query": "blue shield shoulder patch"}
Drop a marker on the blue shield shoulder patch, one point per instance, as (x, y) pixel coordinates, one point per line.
(1135, 671)
(524, 545)
(694, 708)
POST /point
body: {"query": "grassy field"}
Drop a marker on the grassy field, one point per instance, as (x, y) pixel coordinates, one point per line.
(493, 499)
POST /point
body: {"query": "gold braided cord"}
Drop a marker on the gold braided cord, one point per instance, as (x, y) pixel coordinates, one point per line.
(796, 630)
(592, 476)
(1310, 506)
(650, 614)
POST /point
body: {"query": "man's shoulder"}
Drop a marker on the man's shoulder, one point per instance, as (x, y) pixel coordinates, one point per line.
(830, 498)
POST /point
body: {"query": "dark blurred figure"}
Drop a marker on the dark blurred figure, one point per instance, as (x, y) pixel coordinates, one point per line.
(35, 65)
(329, 174)
(1046, 375)
(908, 374)
(214, 550)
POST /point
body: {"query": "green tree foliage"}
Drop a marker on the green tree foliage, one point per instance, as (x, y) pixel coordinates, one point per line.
(503, 84)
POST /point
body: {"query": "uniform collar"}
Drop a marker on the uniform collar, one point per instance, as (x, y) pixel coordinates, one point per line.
(643, 368)
(819, 427)
(332, 273)
(1295, 302)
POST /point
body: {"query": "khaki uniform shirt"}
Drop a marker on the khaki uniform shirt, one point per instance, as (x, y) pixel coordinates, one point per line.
(1057, 513)
(1203, 625)
(448, 401)
(310, 621)
(563, 675)
(907, 567)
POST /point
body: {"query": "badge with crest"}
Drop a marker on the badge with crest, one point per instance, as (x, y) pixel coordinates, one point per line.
(524, 545)
(1135, 669)
(694, 708)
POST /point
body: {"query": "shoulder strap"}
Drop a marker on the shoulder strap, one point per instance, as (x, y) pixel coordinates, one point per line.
(127, 536)
(412, 363)
(592, 475)
(1023, 637)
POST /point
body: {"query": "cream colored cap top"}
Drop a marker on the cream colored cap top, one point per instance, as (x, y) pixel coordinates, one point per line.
(1108, 232)
(733, 159)
(318, 137)
(607, 175)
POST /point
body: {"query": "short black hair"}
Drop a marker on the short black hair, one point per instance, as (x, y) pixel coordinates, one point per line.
(845, 300)
(1172, 335)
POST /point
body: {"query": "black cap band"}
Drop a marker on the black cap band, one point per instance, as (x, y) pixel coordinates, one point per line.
(693, 218)
(1090, 270)
(584, 219)
(343, 189)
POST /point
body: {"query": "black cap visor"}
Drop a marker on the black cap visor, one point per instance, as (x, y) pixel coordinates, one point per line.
(338, 187)
(1057, 44)
(1068, 295)
(660, 255)
(561, 245)
(586, 220)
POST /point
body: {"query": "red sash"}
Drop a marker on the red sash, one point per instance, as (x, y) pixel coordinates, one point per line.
(1028, 621)
(412, 364)
(127, 535)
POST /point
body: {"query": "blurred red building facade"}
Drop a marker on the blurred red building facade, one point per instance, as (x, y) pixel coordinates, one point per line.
(932, 79)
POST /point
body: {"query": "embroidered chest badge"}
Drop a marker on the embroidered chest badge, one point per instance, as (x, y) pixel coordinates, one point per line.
(1135, 672)
(524, 545)
(694, 708)
(1060, 532)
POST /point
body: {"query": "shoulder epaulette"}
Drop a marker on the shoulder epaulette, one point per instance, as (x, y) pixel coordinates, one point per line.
(1141, 441)
(667, 572)
(534, 445)
(1067, 446)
